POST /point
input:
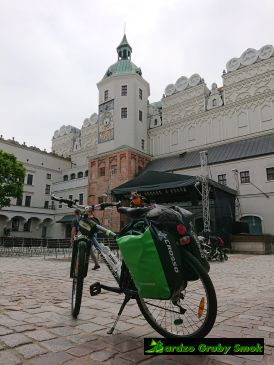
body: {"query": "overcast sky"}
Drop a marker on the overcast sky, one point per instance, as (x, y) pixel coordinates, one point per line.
(53, 52)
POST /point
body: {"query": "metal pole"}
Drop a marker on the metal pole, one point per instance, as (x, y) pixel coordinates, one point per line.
(205, 191)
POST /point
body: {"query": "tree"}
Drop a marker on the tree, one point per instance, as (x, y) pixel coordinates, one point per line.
(12, 174)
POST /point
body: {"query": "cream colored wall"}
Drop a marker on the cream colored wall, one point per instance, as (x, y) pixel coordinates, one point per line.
(128, 131)
(252, 201)
(247, 111)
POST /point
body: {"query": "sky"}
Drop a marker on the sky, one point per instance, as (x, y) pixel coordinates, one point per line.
(53, 52)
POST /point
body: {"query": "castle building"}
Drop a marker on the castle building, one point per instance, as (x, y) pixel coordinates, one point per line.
(234, 122)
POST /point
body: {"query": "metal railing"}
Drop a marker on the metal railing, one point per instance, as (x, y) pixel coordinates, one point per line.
(21, 246)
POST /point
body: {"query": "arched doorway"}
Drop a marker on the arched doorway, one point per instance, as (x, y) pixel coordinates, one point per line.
(254, 222)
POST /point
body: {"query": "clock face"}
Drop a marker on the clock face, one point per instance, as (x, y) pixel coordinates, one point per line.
(106, 127)
(106, 120)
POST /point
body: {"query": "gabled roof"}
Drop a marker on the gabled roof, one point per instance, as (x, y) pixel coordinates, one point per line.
(243, 149)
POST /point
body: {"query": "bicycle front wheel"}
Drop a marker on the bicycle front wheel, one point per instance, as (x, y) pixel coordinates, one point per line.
(191, 312)
(78, 278)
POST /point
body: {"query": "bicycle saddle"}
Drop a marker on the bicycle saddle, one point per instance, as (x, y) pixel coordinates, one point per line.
(133, 212)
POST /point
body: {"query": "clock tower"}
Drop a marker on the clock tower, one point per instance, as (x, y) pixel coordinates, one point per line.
(123, 98)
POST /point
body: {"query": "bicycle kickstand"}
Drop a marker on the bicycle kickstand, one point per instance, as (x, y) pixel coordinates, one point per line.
(126, 300)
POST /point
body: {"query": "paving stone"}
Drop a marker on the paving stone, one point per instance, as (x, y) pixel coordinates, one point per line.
(128, 345)
(268, 360)
(269, 342)
(15, 339)
(8, 358)
(81, 350)
(31, 350)
(84, 361)
(89, 327)
(40, 335)
(5, 331)
(24, 328)
(56, 358)
(29, 283)
(63, 331)
(266, 328)
(119, 361)
(58, 344)
(102, 355)
(136, 356)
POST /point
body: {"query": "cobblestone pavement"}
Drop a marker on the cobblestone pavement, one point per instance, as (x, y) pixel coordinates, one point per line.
(36, 327)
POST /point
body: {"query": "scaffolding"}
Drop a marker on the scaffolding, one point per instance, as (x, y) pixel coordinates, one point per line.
(205, 190)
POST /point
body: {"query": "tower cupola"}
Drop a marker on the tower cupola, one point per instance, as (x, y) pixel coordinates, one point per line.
(124, 50)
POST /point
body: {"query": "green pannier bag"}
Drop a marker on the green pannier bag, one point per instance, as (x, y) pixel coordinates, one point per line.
(149, 262)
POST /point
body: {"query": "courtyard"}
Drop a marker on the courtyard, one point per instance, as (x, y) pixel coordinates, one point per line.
(36, 327)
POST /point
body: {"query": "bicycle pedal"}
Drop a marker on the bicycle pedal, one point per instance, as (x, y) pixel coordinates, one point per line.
(95, 289)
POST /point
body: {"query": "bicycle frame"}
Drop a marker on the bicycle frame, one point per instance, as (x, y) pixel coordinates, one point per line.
(113, 263)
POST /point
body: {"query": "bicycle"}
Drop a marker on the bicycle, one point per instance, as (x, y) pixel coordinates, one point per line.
(190, 312)
(213, 247)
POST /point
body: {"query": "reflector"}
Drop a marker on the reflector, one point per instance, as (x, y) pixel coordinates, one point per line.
(181, 229)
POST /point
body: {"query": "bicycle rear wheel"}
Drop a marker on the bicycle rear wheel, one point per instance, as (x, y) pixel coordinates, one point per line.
(78, 278)
(191, 312)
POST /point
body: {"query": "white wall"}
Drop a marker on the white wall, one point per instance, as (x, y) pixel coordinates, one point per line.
(252, 201)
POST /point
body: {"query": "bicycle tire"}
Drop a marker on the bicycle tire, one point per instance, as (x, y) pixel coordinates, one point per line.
(171, 329)
(78, 279)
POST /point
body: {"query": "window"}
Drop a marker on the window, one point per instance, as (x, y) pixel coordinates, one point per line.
(124, 90)
(101, 199)
(60, 204)
(101, 171)
(29, 179)
(86, 173)
(19, 201)
(254, 224)
(15, 222)
(44, 232)
(140, 94)
(155, 121)
(113, 170)
(106, 95)
(245, 178)
(143, 144)
(65, 177)
(123, 113)
(214, 102)
(80, 175)
(270, 173)
(27, 200)
(140, 115)
(46, 205)
(222, 179)
(72, 176)
(47, 189)
(48, 176)
(81, 198)
(26, 227)
(70, 197)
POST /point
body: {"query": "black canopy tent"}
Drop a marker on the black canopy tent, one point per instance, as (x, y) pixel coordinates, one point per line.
(185, 190)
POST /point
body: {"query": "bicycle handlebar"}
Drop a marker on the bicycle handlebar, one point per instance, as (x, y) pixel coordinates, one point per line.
(73, 203)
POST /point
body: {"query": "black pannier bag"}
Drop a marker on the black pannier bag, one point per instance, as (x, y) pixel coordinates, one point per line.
(170, 256)
(166, 220)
